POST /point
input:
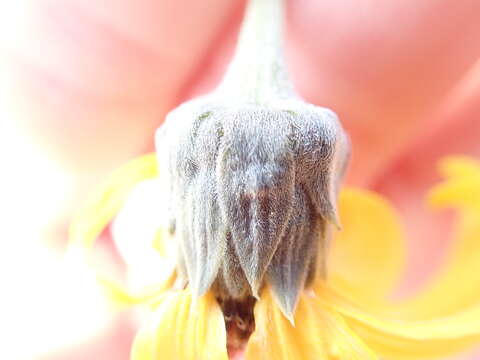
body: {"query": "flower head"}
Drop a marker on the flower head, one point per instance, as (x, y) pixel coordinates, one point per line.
(343, 317)
(252, 175)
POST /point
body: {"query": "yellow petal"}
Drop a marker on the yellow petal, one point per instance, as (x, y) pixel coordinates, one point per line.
(107, 200)
(462, 188)
(459, 167)
(370, 246)
(394, 339)
(143, 347)
(319, 333)
(99, 211)
(183, 329)
(140, 229)
(121, 296)
(141, 238)
(456, 286)
(461, 192)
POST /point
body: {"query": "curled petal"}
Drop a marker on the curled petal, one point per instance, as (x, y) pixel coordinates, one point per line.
(108, 199)
(99, 210)
(121, 296)
(183, 329)
(458, 191)
(459, 167)
(460, 275)
(456, 285)
(141, 237)
(362, 252)
(395, 339)
(318, 333)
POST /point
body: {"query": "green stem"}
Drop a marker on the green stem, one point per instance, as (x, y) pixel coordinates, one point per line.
(257, 72)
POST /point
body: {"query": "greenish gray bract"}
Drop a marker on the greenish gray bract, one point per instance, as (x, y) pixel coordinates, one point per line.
(253, 174)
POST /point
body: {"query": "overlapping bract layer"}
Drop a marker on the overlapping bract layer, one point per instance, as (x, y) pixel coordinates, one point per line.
(253, 191)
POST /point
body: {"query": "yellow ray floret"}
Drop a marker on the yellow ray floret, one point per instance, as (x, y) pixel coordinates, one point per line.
(98, 211)
(108, 199)
(182, 329)
(456, 285)
(361, 252)
(406, 340)
(318, 333)
(461, 188)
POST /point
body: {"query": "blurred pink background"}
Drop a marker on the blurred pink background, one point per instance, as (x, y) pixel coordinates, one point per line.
(86, 84)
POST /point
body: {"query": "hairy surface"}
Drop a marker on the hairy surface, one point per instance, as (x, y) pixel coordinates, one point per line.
(252, 194)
